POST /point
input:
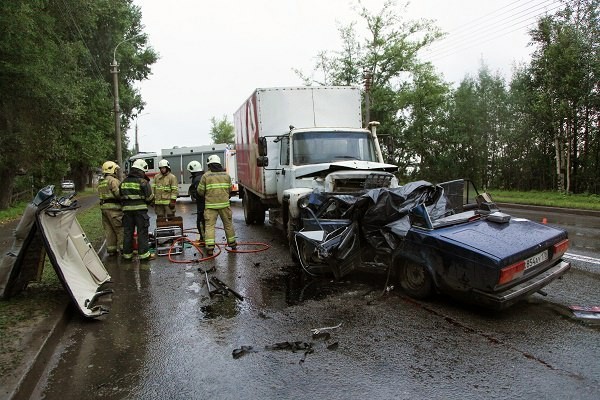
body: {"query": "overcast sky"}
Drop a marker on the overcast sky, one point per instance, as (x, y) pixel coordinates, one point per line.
(213, 54)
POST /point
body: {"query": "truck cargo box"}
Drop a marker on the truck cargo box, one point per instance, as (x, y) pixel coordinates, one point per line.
(270, 112)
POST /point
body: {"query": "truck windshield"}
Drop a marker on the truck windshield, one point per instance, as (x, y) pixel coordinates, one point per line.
(326, 147)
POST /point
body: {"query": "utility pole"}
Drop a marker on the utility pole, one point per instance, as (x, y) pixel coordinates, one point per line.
(367, 76)
(117, 109)
(137, 145)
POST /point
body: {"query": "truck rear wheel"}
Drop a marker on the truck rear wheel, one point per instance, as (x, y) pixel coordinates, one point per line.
(254, 212)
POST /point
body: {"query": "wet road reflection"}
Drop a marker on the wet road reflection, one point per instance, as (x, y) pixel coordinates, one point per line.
(165, 337)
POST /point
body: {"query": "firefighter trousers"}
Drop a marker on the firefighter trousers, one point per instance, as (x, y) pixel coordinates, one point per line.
(164, 211)
(132, 220)
(200, 223)
(210, 217)
(112, 223)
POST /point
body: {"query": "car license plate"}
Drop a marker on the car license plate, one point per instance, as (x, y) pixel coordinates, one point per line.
(535, 260)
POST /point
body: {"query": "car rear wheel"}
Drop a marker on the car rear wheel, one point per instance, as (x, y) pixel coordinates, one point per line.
(415, 280)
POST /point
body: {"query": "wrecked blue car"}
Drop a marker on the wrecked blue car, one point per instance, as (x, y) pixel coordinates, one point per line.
(432, 238)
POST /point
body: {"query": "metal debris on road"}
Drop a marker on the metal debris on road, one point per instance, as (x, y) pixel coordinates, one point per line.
(316, 331)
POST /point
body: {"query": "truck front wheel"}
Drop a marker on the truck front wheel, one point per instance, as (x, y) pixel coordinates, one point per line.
(254, 212)
(291, 228)
(415, 279)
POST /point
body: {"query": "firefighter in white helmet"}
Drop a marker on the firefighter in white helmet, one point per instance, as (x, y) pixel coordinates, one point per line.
(136, 194)
(215, 187)
(110, 206)
(165, 191)
(195, 167)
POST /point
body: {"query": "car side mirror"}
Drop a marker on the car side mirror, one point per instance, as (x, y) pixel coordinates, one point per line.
(262, 161)
(262, 146)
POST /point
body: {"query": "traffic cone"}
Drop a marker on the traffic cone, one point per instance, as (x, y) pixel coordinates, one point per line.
(544, 221)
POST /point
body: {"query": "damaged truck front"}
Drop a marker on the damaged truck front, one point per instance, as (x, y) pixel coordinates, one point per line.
(295, 141)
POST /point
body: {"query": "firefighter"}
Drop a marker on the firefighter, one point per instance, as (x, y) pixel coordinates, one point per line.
(110, 206)
(195, 167)
(215, 187)
(136, 194)
(165, 191)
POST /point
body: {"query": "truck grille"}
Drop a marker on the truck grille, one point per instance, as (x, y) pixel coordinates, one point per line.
(371, 181)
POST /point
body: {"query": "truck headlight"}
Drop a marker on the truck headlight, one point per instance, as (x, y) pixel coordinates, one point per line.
(303, 202)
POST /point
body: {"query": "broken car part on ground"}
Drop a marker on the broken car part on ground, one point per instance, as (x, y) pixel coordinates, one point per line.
(49, 226)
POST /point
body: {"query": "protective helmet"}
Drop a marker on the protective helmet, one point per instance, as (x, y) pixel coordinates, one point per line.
(109, 167)
(164, 163)
(140, 164)
(194, 166)
(214, 159)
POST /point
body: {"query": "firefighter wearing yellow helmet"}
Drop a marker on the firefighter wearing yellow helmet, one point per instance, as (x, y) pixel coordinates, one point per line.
(136, 194)
(165, 190)
(110, 206)
(215, 187)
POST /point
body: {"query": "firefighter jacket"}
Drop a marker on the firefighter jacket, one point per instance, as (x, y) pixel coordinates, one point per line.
(108, 191)
(196, 178)
(216, 189)
(136, 192)
(165, 188)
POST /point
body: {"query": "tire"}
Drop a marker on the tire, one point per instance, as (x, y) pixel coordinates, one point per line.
(415, 280)
(254, 212)
(292, 242)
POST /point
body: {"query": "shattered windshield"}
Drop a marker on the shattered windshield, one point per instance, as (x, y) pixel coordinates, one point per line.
(326, 147)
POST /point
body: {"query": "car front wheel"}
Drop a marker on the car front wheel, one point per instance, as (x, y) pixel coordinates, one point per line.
(415, 280)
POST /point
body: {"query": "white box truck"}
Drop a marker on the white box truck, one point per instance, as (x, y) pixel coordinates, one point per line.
(179, 157)
(291, 141)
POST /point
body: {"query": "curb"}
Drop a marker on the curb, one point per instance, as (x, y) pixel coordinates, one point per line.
(37, 361)
(45, 345)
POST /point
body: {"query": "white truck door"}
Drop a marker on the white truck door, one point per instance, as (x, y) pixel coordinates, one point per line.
(283, 173)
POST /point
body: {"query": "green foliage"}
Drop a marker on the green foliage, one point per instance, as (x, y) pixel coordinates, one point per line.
(221, 131)
(540, 130)
(55, 85)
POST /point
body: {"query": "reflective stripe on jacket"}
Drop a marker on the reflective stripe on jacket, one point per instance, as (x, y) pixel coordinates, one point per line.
(165, 188)
(108, 191)
(136, 193)
(216, 189)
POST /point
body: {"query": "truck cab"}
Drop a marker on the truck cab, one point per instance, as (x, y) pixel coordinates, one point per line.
(293, 141)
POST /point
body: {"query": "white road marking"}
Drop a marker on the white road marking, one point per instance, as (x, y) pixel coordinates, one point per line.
(586, 259)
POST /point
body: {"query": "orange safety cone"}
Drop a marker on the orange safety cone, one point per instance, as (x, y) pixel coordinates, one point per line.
(544, 221)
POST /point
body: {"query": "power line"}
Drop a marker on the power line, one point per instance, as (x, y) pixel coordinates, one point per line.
(489, 36)
(79, 33)
(497, 29)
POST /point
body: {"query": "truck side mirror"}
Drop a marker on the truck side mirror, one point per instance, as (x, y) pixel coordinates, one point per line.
(262, 146)
(262, 161)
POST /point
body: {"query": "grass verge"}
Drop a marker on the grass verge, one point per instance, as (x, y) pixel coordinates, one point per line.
(20, 314)
(549, 199)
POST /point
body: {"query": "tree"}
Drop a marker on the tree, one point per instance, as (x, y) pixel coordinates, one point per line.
(55, 92)
(565, 73)
(388, 54)
(221, 131)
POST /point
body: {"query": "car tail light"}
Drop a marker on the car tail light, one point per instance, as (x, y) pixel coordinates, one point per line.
(511, 272)
(560, 248)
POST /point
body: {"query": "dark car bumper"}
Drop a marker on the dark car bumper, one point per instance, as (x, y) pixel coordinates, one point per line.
(501, 300)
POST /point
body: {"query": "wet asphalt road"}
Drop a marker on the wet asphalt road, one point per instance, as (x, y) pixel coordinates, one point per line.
(166, 339)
